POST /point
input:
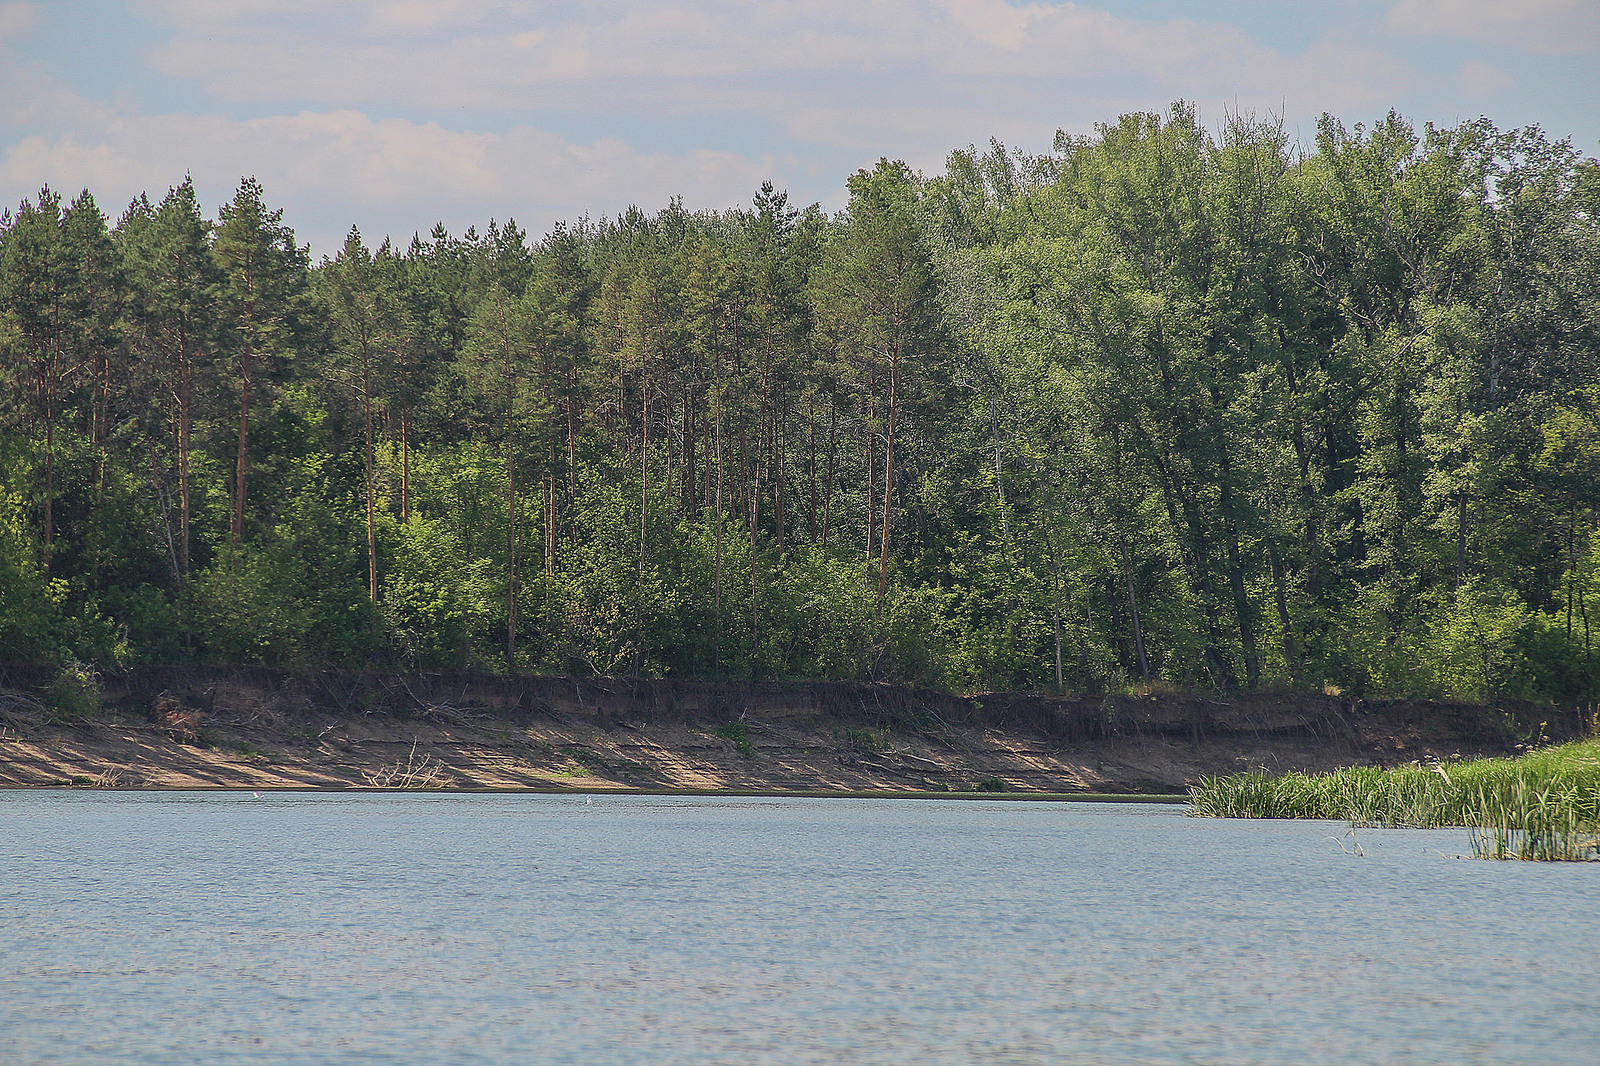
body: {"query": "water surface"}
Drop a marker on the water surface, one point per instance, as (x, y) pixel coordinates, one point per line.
(313, 928)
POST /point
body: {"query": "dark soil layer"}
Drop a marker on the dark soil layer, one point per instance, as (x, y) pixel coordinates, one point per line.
(251, 727)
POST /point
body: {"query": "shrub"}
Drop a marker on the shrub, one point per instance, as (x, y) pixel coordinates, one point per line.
(75, 692)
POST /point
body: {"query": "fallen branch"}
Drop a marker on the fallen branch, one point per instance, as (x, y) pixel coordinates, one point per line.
(411, 774)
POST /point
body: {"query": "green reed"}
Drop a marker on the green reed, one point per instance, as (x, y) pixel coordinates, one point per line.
(1544, 805)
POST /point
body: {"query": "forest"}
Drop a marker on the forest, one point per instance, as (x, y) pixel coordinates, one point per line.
(1164, 407)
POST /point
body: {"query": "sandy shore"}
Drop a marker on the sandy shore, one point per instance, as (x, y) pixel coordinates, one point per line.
(204, 727)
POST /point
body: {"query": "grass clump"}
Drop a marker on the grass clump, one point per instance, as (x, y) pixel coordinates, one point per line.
(1544, 805)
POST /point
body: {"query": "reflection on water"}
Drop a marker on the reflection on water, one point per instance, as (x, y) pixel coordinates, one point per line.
(165, 927)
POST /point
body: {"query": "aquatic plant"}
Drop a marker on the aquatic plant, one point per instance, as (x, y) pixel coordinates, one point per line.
(1544, 805)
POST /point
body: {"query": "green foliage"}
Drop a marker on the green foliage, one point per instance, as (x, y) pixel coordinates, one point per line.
(437, 603)
(1544, 805)
(739, 734)
(1167, 406)
(74, 693)
(244, 610)
(30, 617)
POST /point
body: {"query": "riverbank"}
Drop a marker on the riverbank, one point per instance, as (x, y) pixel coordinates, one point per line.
(254, 727)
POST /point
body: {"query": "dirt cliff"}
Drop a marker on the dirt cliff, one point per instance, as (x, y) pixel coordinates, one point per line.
(251, 727)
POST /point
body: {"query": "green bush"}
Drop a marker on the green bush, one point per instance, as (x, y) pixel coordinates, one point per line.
(739, 733)
(30, 606)
(74, 693)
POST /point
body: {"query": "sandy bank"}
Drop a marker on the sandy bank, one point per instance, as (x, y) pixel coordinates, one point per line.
(249, 727)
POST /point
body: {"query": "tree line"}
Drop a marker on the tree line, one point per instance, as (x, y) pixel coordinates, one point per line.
(1162, 406)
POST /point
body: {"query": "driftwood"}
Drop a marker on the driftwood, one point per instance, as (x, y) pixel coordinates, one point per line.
(426, 774)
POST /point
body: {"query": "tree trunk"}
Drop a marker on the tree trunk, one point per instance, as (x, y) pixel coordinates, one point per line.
(1309, 502)
(716, 639)
(1588, 647)
(872, 493)
(185, 407)
(158, 485)
(644, 513)
(236, 528)
(687, 476)
(833, 455)
(1572, 558)
(1197, 559)
(405, 465)
(778, 473)
(644, 478)
(1133, 607)
(811, 473)
(755, 600)
(97, 416)
(550, 515)
(888, 478)
(1055, 610)
(999, 477)
(511, 516)
(372, 529)
(572, 441)
(702, 489)
(669, 445)
(47, 387)
(1291, 653)
(1241, 601)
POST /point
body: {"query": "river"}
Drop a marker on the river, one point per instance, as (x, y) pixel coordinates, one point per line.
(421, 928)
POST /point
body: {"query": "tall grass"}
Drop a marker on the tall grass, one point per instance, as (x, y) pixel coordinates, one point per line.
(1544, 805)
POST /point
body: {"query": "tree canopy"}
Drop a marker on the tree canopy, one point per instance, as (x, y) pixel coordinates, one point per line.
(1163, 406)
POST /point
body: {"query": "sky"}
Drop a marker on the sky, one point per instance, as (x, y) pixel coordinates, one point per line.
(393, 115)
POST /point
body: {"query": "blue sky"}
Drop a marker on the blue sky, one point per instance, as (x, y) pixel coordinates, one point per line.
(396, 114)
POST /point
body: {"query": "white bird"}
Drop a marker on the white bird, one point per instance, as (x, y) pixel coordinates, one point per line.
(257, 795)
(588, 801)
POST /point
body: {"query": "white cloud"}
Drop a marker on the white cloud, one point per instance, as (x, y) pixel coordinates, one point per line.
(1480, 79)
(505, 69)
(421, 16)
(400, 17)
(1560, 26)
(213, 15)
(846, 81)
(996, 39)
(936, 129)
(386, 160)
(389, 174)
(15, 19)
(1340, 75)
(530, 56)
